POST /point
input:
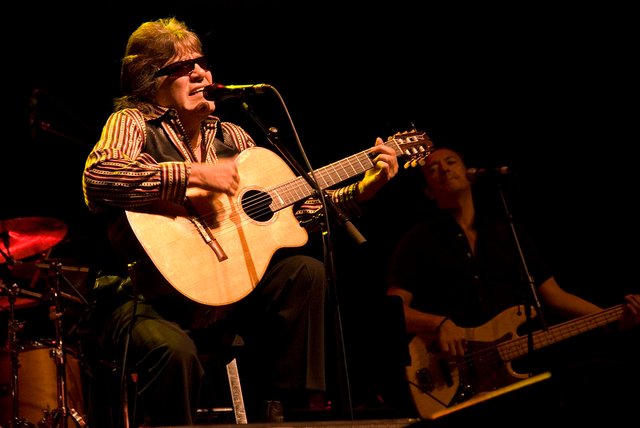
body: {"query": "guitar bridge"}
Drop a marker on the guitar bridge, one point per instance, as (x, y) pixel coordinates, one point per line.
(209, 239)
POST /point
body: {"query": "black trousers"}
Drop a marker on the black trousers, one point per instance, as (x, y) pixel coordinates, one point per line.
(281, 323)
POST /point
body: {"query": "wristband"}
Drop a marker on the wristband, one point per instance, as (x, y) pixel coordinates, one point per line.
(444, 320)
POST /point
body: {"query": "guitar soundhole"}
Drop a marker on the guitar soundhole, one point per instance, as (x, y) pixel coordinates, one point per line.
(256, 205)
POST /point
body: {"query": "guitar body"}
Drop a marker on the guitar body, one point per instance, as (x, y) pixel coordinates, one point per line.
(437, 382)
(244, 237)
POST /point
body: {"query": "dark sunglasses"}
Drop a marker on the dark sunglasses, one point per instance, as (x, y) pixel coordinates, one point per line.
(183, 68)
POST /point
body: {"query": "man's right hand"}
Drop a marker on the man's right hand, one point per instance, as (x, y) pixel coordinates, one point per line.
(222, 177)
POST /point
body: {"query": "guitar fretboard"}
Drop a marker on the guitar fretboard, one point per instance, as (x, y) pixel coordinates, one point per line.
(297, 189)
(518, 347)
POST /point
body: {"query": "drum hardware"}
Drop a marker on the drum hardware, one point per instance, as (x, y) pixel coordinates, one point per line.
(58, 417)
(14, 327)
(19, 239)
(38, 383)
(24, 237)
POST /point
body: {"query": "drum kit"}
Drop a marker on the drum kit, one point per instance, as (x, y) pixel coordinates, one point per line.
(41, 382)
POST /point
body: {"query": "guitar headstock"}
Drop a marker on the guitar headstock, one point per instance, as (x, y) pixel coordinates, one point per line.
(414, 146)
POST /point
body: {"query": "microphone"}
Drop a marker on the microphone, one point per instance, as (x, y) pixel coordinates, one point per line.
(219, 92)
(474, 173)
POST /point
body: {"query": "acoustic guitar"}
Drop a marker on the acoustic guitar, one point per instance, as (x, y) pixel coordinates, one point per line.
(216, 249)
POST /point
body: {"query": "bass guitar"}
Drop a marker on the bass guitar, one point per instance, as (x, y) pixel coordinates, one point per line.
(438, 382)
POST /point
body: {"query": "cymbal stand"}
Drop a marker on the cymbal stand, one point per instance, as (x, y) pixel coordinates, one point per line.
(58, 417)
(13, 328)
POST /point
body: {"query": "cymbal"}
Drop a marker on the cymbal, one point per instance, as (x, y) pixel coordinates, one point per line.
(27, 236)
(20, 303)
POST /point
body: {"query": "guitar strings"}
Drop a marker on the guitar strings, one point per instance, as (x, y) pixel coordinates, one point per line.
(492, 355)
(260, 204)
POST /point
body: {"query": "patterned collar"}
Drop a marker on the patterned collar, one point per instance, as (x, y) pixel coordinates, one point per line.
(160, 112)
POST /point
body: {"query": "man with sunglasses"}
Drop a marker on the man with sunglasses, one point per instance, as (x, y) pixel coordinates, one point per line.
(162, 146)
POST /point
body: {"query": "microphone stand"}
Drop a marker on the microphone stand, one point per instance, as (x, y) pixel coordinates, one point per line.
(128, 416)
(329, 262)
(58, 417)
(272, 136)
(535, 301)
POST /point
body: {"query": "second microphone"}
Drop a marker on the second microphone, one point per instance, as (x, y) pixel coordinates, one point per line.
(501, 171)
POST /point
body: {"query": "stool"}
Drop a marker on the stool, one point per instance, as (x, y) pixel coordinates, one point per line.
(109, 413)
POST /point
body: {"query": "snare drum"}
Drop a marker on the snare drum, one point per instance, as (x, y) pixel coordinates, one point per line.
(38, 384)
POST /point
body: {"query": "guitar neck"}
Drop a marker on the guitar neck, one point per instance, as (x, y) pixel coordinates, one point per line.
(297, 189)
(518, 347)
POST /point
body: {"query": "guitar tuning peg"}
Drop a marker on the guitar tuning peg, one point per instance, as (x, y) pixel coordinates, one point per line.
(416, 161)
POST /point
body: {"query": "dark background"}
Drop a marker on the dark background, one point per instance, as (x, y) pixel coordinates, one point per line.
(550, 91)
